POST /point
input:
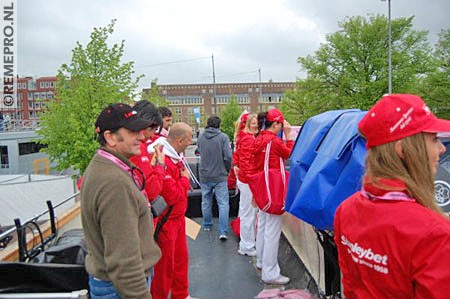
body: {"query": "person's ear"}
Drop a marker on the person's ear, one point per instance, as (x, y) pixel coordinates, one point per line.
(399, 148)
(110, 138)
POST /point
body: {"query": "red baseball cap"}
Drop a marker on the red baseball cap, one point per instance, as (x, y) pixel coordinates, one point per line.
(244, 117)
(275, 115)
(397, 116)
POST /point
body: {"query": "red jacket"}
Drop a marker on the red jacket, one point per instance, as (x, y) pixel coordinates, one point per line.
(175, 188)
(243, 157)
(392, 248)
(236, 147)
(154, 175)
(278, 150)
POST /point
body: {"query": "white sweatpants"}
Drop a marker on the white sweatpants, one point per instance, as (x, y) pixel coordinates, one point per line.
(247, 215)
(267, 241)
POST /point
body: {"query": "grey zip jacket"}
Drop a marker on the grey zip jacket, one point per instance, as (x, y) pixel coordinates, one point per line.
(215, 155)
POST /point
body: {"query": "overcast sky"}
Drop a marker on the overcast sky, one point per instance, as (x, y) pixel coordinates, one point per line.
(173, 40)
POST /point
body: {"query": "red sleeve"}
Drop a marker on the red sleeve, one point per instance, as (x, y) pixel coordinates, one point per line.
(430, 265)
(154, 182)
(236, 157)
(154, 175)
(175, 186)
(279, 150)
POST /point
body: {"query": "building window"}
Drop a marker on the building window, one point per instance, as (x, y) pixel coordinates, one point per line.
(243, 99)
(31, 85)
(27, 148)
(52, 84)
(4, 156)
(177, 110)
(222, 100)
(270, 98)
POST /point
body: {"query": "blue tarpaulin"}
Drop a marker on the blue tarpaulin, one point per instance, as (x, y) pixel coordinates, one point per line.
(327, 164)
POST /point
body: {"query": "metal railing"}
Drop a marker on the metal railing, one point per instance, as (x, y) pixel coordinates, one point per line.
(20, 229)
(14, 125)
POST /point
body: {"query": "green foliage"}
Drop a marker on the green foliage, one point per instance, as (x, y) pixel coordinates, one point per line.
(436, 87)
(94, 78)
(152, 95)
(229, 114)
(351, 69)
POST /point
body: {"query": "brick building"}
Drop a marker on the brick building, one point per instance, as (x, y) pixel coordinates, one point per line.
(32, 98)
(254, 97)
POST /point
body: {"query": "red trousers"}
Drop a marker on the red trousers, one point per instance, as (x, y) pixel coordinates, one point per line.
(171, 271)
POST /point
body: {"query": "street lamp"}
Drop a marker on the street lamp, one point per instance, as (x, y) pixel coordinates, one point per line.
(390, 47)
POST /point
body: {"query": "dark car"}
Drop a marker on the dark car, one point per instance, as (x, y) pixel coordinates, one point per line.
(442, 178)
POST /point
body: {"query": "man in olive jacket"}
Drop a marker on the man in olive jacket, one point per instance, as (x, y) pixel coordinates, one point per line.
(116, 218)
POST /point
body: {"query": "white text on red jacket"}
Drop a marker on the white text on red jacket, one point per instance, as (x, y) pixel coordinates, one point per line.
(366, 257)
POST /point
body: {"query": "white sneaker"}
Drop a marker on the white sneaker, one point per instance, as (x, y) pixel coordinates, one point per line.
(223, 237)
(279, 280)
(189, 297)
(247, 253)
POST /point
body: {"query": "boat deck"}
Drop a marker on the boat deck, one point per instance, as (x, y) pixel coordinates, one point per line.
(217, 271)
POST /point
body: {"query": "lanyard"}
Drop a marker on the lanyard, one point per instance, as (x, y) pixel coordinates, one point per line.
(394, 195)
(125, 168)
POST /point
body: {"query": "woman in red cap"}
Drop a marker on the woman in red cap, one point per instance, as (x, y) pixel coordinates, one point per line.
(269, 225)
(393, 240)
(243, 163)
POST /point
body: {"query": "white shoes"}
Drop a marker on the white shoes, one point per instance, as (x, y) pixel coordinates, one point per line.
(279, 280)
(223, 237)
(190, 297)
(247, 253)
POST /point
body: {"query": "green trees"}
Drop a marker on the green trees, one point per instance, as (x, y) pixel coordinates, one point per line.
(94, 78)
(229, 115)
(436, 86)
(350, 70)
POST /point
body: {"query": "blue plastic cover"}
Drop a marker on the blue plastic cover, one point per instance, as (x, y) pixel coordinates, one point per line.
(327, 164)
(305, 149)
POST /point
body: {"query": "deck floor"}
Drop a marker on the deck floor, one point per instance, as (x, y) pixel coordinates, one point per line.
(217, 271)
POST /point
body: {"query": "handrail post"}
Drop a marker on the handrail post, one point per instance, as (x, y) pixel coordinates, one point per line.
(20, 239)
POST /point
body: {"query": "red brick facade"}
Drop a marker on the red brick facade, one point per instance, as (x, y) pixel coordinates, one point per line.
(254, 97)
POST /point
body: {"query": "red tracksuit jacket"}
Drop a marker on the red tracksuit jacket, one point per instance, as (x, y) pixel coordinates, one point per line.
(389, 246)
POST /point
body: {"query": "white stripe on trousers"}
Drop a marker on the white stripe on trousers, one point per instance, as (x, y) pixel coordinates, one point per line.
(247, 215)
(267, 241)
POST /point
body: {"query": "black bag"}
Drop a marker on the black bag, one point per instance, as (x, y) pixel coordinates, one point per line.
(158, 205)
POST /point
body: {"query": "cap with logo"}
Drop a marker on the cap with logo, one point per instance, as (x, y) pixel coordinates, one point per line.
(117, 116)
(275, 115)
(397, 116)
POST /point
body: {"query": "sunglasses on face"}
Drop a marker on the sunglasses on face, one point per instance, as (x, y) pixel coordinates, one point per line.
(138, 177)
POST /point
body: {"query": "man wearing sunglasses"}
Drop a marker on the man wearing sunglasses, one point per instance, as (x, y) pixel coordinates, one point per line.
(115, 214)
